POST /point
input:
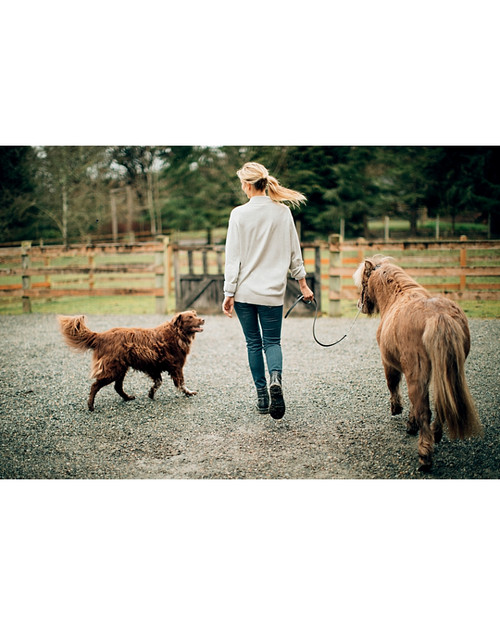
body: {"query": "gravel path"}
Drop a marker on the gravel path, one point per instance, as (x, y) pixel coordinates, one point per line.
(338, 423)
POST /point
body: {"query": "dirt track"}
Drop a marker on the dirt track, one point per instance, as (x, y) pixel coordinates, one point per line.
(337, 426)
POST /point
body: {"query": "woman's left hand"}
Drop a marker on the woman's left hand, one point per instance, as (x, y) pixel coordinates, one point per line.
(228, 306)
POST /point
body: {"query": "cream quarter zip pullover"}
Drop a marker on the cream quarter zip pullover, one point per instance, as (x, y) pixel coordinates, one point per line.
(262, 246)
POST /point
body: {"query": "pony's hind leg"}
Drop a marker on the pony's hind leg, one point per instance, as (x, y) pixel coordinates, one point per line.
(393, 377)
(437, 430)
(412, 425)
(419, 397)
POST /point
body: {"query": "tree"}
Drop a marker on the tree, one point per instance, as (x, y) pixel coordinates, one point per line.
(404, 181)
(465, 179)
(69, 188)
(139, 167)
(64, 191)
(17, 201)
(354, 191)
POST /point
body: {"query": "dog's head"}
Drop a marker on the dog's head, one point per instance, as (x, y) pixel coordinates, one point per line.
(188, 322)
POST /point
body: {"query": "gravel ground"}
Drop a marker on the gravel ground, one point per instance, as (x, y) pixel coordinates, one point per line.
(337, 425)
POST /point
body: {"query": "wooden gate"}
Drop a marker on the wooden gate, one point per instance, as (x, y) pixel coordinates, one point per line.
(199, 280)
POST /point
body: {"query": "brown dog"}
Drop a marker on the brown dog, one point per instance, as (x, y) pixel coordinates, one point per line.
(152, 351)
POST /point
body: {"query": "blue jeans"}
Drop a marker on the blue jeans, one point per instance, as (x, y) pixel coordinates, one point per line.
(265, 337)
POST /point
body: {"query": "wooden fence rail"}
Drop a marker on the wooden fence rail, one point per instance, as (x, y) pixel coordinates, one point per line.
(462, 270)
(78, 264)
(457, 269)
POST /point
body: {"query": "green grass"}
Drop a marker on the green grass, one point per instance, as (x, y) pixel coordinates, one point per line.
(400, 228)
(481, 310)
(473, 309)
(125, 304)
(143, 305)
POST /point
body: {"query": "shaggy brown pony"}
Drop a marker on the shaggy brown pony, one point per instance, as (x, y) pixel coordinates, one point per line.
(152, 351)
(426, 338)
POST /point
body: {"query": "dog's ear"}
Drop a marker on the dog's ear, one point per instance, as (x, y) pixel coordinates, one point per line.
(177, 319)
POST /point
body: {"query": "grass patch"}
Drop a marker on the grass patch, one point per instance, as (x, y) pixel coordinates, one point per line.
(473, 309)
(481, 310)
(125, 304)
(145, 305)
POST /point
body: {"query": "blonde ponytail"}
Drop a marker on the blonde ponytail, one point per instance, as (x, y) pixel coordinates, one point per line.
(256, 174)
(277, 193)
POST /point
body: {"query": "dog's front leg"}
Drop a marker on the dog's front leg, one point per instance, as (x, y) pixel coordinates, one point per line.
(178, 379)
(187, 392)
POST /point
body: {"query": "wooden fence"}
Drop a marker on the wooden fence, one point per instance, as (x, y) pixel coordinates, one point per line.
(183, 276)
(461, 270)
(93, 270)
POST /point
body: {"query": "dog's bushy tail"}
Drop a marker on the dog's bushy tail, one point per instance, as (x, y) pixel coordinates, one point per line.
(444, 341)
(76, 334)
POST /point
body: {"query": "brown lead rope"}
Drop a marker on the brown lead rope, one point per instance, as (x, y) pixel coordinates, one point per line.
(315, 303)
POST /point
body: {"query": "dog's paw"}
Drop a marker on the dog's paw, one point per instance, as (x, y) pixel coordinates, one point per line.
(187, 392)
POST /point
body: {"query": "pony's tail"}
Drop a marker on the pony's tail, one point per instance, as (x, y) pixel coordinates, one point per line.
(76, 334)
(443, 339)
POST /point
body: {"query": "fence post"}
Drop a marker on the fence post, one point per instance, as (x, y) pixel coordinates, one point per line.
(46, 264)
(91, 261)
(334, 281)
(161, 276)
(317, 275)
(168, 259)
(26, 279)
(463, 264)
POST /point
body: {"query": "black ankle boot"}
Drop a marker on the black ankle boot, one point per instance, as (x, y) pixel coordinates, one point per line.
(277, 407)
(263, 400)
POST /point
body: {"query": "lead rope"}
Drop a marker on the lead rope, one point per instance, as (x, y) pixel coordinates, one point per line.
(315, 303)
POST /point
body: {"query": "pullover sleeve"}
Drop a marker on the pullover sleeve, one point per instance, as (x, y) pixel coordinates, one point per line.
(232, 265)
(297, 270)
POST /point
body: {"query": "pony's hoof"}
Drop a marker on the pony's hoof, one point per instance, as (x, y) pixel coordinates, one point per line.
(396, 409)
(437, 435)
(129, 397)
(411, 428)
(425, 465)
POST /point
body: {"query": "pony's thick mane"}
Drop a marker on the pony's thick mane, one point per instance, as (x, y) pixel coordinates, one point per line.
(401, 280)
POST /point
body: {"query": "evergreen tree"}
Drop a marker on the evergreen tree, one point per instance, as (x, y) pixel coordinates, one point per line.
(465, 180)
(18, 210)
(354, 192)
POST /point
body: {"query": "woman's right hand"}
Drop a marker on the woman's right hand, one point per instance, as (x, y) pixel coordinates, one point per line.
(307, 294)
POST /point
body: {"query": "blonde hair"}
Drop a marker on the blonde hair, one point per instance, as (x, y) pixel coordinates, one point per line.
(257, 175)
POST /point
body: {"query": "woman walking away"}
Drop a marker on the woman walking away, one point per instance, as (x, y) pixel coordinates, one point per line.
(262, 246)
